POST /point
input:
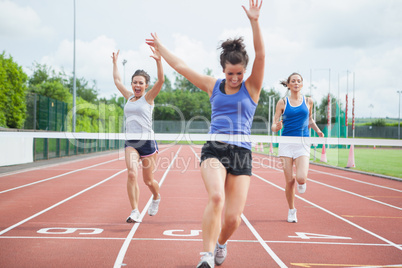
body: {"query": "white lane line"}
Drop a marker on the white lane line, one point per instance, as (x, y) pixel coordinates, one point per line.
(195, 240)
(342, 190)
(263, 243)
(55, 177)
(64, 174)
(335, 215)
(355, 180)
(342, 177)
(257, 235)
(61, 202)
(124, 247)
(67, 161)
(358, 195)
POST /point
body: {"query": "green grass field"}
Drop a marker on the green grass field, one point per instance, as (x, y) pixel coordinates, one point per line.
(385, 161)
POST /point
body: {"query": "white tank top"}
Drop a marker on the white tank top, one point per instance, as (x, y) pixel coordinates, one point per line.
(138, 116)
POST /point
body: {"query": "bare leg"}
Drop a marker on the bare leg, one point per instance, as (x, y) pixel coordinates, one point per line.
(214, 176)
(148, 169)
(236, 191)
(133, 191)
(287, 163)
(302, 164)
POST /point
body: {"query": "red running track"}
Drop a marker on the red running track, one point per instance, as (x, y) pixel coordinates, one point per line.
(73, 215)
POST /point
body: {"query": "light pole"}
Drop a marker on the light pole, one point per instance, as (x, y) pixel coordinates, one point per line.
(399, 116)
(329, 112)
(74, 81)
(311, 87)
(269, 115)
(124, 70)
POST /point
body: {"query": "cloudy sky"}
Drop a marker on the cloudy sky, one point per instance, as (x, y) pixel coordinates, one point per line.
(328, 42)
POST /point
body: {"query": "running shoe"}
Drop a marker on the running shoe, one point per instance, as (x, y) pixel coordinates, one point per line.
(292, 215)
(220, 253)
(207, 260)
(301, 188)
(153, 208)
(134, 216)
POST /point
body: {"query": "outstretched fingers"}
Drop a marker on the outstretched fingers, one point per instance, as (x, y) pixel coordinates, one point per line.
(115, 55)
(152, 41)
(155, 53)
(254, 10)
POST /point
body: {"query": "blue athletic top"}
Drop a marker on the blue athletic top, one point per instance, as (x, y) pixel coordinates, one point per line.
(295, 119)
(232, 114)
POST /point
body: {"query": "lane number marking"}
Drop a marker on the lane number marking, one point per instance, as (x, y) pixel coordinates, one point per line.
(62, 230)
(317, 236)
(175, 233)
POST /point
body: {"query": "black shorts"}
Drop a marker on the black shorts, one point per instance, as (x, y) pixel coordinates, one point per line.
(237, 160)
(143, 147)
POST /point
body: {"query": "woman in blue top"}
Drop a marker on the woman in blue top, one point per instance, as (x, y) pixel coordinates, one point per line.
(226, 166)
(296, 112)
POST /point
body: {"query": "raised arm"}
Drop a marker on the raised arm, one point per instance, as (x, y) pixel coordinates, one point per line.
(255, 80)
(311, 122)
(117, 78)
(277, 123)
(154, 91)
(204, 82)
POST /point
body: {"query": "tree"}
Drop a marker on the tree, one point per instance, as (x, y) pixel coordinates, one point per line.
(90, 94)
(92, 115)
(44, 81)
(181, 83)
(12, 93)
(262, 112)
(322, 110)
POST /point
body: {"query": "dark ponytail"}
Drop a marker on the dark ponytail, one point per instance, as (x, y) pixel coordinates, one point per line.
(233, 52)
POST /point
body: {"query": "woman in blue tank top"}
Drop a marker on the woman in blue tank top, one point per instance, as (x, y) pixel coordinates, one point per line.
(226, 165)
(296, 120)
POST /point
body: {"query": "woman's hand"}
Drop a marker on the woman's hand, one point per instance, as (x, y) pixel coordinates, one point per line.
(156, 55)
(320, 134)
(254, 11)
(115, 56)
(277, 126)
(154, 41)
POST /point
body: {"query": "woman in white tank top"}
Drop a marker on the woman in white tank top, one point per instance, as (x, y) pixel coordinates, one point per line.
(138, 112)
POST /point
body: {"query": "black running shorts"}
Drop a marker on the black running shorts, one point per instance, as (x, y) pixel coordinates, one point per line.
(237, 160)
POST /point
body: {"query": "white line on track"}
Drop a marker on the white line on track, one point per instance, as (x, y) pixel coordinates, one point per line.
(194, 240)
(124, 247)
(263, 243)
(347, 178)
(57, 176)
(358, 195)
(67, 161)
(61, 202)
(335, 215)
(257, 235)
(64, 174)
(276, 160)
(342, 190)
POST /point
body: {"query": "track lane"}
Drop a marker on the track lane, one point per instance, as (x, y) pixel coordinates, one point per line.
(332, 201)
(183, 202)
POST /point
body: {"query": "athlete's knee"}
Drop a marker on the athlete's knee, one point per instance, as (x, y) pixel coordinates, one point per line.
(217, 199)
(149, 181)
(233, 220)
(301, 179)
(132, 175)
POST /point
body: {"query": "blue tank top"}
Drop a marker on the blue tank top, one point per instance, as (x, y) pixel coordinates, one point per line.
(232, 114)
(295, 119)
